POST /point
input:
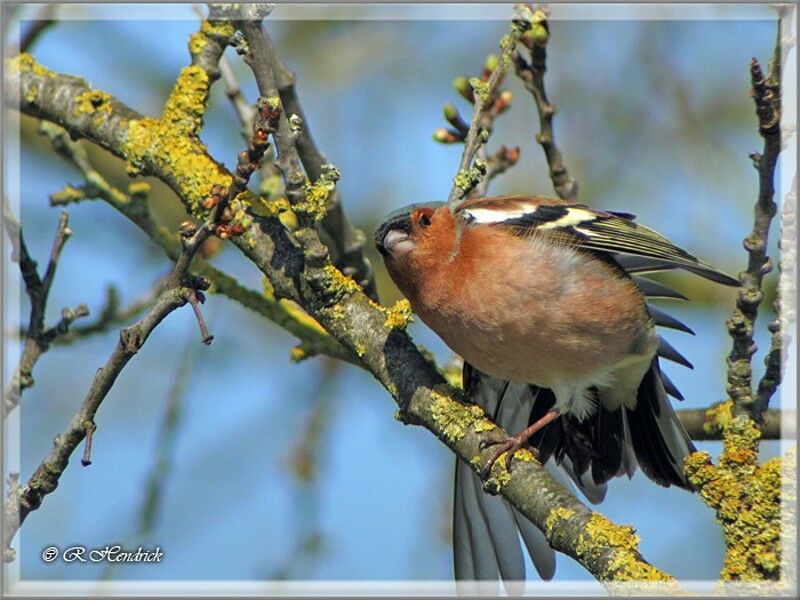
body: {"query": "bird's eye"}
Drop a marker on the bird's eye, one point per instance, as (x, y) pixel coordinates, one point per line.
(424, 220)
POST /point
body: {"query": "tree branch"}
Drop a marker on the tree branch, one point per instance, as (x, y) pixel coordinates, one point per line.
(741, 491)
(344, 242)
(766, 93)
(532, 75)
(134, 206)
(708, 424)
(37, 338)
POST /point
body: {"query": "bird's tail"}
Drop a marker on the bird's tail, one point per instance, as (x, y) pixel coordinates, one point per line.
(486, 529)
(659, 441)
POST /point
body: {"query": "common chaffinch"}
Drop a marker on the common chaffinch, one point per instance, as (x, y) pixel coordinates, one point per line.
(542, 299)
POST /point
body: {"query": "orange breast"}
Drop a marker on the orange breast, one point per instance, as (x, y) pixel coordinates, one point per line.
(528, 309)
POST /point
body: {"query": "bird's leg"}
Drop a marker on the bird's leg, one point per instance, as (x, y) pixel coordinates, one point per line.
(511, 444)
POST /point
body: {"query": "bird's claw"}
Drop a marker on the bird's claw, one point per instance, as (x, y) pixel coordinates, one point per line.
(509, 446)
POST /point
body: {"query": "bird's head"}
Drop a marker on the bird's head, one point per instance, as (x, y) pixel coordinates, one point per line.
(412, 241)
(408, 229)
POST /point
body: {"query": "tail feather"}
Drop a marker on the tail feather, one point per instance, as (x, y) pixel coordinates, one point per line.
(486, 528)
(657, 436)
(485, 541)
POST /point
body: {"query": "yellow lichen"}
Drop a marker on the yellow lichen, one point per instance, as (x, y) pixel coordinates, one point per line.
(399, 315)
(184, 109)
(298, 353)
(316, 199)
(559, 513)
(216, 29)
(452, 371)
(26, 62)
(717, 417)
(524, 455)
(500, 472)
(221, 29)
(152, 142)
(453, 417)
(747, 500)
(483, 425)
(32, 94)
(624, 562)
(94, 102)
(197, 41)
(67, 195)
(139, 189)
(339, 282)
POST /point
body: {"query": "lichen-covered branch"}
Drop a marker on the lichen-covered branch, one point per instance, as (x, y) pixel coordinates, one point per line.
(607, 550)
(766, 93)
(23, 499)
(299, 269)
(532, 75)
(133, 204)
(705, 424)
(345, 243)
(747, 498)
(37, 337)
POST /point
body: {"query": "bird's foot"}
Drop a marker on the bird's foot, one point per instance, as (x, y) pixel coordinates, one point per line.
(509, 446)
(516, 442)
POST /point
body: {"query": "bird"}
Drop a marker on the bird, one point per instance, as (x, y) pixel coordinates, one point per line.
(546, 301)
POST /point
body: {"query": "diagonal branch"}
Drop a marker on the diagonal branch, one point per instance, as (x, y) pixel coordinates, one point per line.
(344, 242)
(134, 206)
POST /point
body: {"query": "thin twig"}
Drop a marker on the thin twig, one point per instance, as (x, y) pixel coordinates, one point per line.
(497, 104)
(37, 338)
(111, 314)
(22, 500)
(532, 75)
(471, 173)
(767, 96)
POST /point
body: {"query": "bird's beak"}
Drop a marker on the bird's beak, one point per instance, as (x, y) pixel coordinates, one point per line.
(393, 238)
(398, 243)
